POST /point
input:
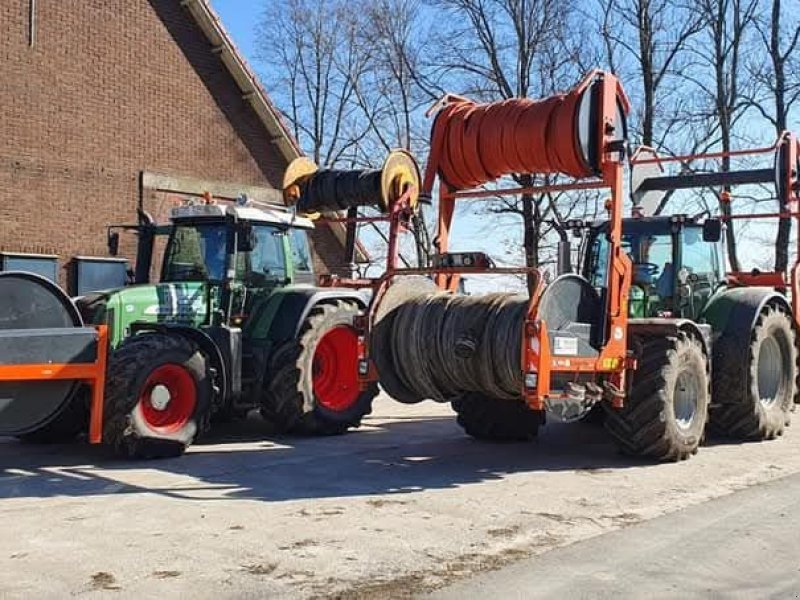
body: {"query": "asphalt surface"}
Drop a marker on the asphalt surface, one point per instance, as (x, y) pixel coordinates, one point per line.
(405, 505)
(744, 545)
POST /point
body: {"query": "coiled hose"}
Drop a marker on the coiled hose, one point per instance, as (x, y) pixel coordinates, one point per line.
(313, 190)
(472, 144)
(333, 190)
(439, 346)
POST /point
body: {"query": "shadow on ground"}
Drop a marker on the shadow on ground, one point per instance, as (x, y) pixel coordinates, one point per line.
(244, 461)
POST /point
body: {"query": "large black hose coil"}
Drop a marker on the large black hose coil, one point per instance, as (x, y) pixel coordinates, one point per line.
(313, 190)
(439, 346)
(332, 190)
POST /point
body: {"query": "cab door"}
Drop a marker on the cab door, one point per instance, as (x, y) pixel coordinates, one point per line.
(700, 274)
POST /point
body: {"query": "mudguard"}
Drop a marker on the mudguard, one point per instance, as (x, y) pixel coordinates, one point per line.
(206, 344)
(733, 314)
(667, 326)
(281, 317)
(734, 311)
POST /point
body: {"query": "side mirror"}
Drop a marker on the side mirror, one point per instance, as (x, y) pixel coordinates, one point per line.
(246, 239)
(712, 230)
(113, 243)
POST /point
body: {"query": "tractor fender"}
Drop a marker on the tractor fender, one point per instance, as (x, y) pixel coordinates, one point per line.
(734, 311)
(281, 317)
(204, 341)
(669, 326)
(733, 314)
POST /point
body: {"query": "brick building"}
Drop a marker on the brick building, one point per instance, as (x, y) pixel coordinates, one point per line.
(108, 105)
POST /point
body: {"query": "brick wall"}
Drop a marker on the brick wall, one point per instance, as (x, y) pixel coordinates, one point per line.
(111, 88)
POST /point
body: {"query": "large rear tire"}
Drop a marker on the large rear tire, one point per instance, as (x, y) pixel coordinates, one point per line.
(158, 396)
(754, 401)
(665, 414)
(313, 385)
(497, 420)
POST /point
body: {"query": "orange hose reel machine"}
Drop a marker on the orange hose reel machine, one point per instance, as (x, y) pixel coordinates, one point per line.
(581, 134)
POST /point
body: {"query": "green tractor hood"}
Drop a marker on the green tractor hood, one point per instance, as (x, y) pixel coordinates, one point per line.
(184, 303)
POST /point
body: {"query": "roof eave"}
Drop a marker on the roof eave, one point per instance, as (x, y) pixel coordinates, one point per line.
(252, 91)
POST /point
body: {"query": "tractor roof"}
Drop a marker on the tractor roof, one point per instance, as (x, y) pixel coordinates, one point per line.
(276, 215)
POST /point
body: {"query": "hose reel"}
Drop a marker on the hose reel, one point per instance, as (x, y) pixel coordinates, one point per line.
(473, 144)
(437, 345)
(313, 190)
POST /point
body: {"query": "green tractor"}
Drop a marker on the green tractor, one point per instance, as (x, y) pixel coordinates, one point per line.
(711, 350)
(236, 323)
(713, 346)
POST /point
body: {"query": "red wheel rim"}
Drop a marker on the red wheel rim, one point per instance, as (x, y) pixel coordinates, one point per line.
(335, 369)
(168, 398)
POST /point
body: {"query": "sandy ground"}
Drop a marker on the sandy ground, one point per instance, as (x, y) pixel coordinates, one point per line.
(402, 506)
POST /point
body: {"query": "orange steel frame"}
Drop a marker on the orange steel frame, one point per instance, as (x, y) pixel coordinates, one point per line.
(92, 373)
(773, 279)
(536, 358)
(398, 218)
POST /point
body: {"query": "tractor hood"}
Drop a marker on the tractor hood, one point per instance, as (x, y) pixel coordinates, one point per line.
(182, 303)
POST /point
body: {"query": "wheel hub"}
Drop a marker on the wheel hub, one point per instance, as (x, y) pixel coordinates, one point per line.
(160, 397)
(685, 404)
(770, 371)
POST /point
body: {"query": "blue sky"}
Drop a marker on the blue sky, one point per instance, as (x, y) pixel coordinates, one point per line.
(240, 17)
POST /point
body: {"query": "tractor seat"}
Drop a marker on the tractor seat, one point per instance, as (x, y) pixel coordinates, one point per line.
(572, 310)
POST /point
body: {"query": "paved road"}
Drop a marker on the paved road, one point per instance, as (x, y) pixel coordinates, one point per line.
(405, 504)
(744, 545)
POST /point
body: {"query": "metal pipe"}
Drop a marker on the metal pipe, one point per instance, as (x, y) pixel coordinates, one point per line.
(542, 189)
(688, 157)
(696, 180)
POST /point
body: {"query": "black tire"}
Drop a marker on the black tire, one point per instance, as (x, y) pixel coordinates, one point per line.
(290, 401)
(755, 402)
(71, 422)
(595, 416)
(497, 420)
(134, 428)
(666, 412)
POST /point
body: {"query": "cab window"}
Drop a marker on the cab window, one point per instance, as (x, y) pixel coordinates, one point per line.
(301, 254)
(699, 257)
(598, 269)
(266, 262)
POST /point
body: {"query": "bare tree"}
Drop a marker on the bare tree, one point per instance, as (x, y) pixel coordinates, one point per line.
(655, 34)
(777, 75)
(500, 49)
(312, 52)
(718, 79)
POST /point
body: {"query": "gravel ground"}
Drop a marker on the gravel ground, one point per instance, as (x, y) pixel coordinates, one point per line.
(402, 506)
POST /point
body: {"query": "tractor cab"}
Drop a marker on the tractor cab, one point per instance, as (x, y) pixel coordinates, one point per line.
(677, 264)
(241, 253)
(251, 246)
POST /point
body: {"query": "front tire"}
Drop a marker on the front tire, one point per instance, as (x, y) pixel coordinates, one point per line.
(497, 420)
(158, 396)
(754, 402)
(665, 414)
(313, 387)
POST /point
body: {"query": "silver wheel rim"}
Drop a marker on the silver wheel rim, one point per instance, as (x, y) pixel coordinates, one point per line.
(770, 371)
(685, 404)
